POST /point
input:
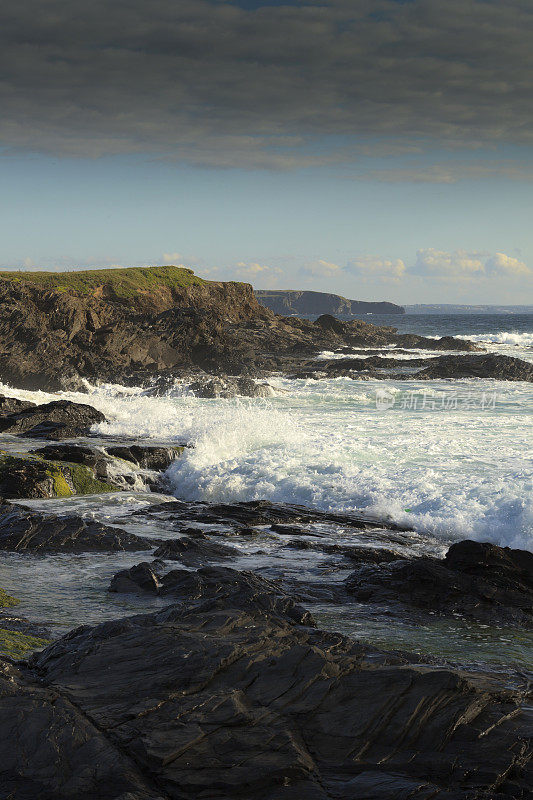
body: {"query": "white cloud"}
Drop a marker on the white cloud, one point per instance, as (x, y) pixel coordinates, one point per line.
(500, 262)
(465, 265)
(440, 263)
(251, 271)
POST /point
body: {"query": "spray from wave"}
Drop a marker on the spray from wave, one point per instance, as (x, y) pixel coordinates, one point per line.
(455, 474)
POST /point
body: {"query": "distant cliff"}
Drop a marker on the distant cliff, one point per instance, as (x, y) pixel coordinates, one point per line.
(286, 302)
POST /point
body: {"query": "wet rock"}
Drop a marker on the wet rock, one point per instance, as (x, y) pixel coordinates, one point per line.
(60, 419)
(146, 457)
(25, 531)
(481, 581)
(50, 750)
(502, 368)
(211, 587)
(75, 453)
(139, 578)
(220, 697)
(363, 555)
(261, 512)
(194, 551)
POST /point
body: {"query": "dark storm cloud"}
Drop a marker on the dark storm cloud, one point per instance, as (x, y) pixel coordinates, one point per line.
(223, 84)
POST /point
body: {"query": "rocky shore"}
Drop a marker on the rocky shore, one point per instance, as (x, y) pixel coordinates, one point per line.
(230, 687)
(227, 662)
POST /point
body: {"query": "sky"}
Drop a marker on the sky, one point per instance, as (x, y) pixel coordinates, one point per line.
(380, 149)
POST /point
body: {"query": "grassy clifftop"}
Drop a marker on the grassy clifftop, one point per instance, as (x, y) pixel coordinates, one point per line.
(125, 282)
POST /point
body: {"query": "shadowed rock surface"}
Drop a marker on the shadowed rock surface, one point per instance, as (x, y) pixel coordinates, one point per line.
(60, 419)
(147, 457)
(483, 581)
(503, 368)
(22, 530)
(222, 698)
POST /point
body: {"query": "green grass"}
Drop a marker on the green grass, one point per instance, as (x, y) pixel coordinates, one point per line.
(124, 283)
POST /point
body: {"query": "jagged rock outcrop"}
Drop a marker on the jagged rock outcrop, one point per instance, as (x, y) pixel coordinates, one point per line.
(502, 368)
(479, 580)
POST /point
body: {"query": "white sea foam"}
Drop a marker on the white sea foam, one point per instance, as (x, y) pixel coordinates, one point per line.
(439, 458)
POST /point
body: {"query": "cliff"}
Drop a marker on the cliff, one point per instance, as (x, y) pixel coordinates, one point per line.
(286, 301)
(110, 323)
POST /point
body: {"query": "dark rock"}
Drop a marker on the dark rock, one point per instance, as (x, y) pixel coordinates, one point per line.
(212, 587)
(482, 581)
(22, 530)
(156, 458)
(60, 419)
(194, 551)
(74, 453)
(261, 512)
(502, 368)
(10, 405)
(50, 749)
(362, 555)
(221, 698)
(140, 578)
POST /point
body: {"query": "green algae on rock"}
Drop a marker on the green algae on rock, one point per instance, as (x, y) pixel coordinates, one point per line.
(6, 601)
(29, 476)
(17, 645)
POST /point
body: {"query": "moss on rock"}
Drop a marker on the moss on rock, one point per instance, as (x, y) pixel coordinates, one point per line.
(29, 475)
(17, 645)
(84, 481)
(6, 601)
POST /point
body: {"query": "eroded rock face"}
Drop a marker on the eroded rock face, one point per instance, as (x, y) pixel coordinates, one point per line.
(194, 551)
(60, 419)
(220, 697)
(22, 530)
(483, 581)
(51, 339)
